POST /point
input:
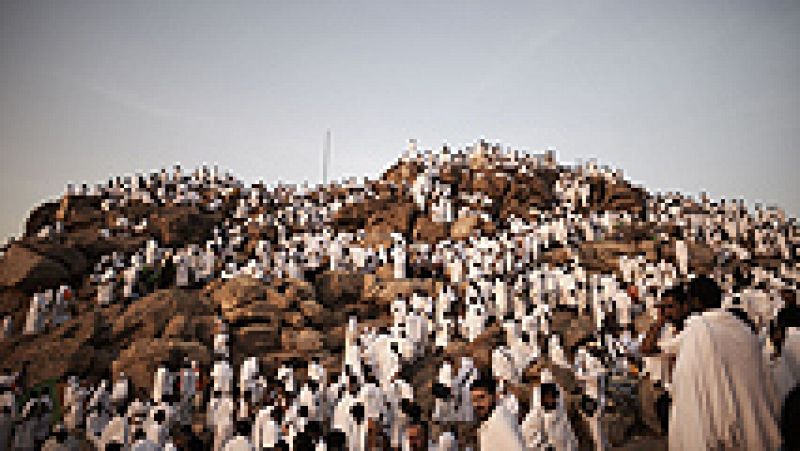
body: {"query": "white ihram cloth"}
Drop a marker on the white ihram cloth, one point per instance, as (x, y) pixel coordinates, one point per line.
(500, 432)
(722, 393)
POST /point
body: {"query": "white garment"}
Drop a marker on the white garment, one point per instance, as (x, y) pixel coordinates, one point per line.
(266, 431)
(162, 385)
(238, 443)
(223, 377)
(722, 393)
(682, 256)
(541, 428)
(220, 418)
(500, 432)
(116, 431)
(447, 442)
(145, 445)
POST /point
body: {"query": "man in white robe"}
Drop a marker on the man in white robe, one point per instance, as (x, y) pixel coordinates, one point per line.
(162, 384)
(682, 256)
(6, 327)
(116, 431)
(241, 441)
(722, 392)
(34, 321)
(222, 375)
(443, 392)
(499, 428)
(267, 432)
(547, 423)
(220, 417)
(98, 415)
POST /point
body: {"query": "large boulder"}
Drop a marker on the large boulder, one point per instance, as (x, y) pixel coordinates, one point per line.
(383, 291)
(76, 211)
(701, 258)
(428, 231)
(394, 218)
(68, 349)
(337, 288)
(62, 252)
(43, 215)
(29, 270)
(463, 228)
(302, 340)
(603, 256)
(177, 226)
(175, 313)
(255, 339)
(245, 300)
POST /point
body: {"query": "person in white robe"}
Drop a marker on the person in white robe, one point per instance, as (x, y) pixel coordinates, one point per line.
(98, 415)
(500, 430)
(556, 352)
(222, 375)
(399, 257)
(220, 418)
(60, 440)
(189, 376)
(267, 431)
(682, 256)
(241, 441)
(444, 404)
(74, 401)
(546, 424)
(116, 431)
(722, 395)
(6, 328)
(159, 422)
(447, 442)
(35, 320)
(162, 384)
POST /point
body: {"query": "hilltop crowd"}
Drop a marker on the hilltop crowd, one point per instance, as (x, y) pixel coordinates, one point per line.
(709, 343)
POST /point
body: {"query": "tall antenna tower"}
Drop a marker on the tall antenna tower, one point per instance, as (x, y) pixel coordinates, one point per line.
(326, 156)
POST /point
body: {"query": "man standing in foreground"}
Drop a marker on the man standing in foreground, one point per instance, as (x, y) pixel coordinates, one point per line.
(722, 391)
(499, 428)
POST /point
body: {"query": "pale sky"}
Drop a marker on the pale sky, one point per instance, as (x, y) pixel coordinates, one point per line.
(690, 96)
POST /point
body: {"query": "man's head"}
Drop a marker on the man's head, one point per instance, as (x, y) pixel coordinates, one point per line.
(336, 440)
(789, 297)
(633, 292)
(483, 395)
(786, 318)
(704, 294)
(549, 398)
(375, 435)
(417, 435)
(673, 306)
(358, 412)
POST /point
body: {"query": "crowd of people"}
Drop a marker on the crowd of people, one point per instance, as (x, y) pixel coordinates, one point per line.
(719, 352)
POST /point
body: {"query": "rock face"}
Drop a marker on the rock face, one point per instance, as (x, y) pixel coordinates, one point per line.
(181, 225)
(28, 270)
(282, 318)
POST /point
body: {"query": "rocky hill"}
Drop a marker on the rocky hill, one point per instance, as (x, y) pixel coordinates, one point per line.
(149, 262)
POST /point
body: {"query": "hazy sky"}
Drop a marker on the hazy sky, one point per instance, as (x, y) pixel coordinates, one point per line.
(681, 95)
